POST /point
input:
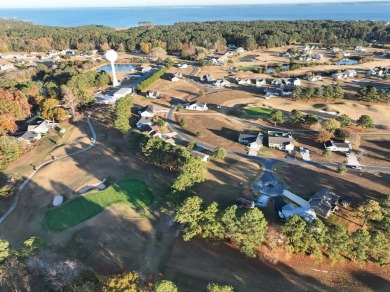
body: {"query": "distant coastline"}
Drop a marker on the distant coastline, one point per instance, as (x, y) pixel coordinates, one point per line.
(120, 17)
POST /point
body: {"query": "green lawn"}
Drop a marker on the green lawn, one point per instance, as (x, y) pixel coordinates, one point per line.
(256, 111)
(133, 192)
(246, 68)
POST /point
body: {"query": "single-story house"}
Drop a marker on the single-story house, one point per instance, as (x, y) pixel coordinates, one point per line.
(153, 94)
(293, 81)
(253, 139)
(42, 127)
(350, 73)
(221, 83)
(277, 81)
(318, 56)
(371, 72)
(360, 49)
(151, 110)
(207, 78)
(260, 82)
(286, 55)
(315, 78)
(346, 54)
(243, 81)
(182, 66)
(280, 140)
(324, 202)
(197, 106)
(335, 50)
(30, 137)
(338, 75)
(240, 50)
(203, 156)
(340, 147)
(123, 92)
(175, 78)
(146, 69)
(145, 121)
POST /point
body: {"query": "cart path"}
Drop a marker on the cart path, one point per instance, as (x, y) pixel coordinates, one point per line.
(26, 181)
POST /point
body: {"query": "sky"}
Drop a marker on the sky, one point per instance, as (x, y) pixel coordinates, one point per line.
(124, 3)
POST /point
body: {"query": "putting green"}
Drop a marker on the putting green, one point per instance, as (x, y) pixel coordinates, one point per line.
(132, 192)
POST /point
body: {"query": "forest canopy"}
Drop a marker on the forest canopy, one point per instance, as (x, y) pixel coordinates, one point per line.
(23, 36)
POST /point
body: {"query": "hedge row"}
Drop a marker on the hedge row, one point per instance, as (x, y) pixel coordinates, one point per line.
(153, 78)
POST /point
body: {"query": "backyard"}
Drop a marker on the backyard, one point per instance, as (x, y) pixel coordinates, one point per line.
(132, 192)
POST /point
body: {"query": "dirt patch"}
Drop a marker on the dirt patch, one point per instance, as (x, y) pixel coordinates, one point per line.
(374, 149)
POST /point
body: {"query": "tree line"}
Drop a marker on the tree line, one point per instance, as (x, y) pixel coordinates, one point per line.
(244, 229)
(334, 241)
(371, 93)
(22, 36)
(157, 151)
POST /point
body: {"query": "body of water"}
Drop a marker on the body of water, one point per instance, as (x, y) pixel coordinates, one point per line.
(131, 16)
(118, 68)
(347, 62)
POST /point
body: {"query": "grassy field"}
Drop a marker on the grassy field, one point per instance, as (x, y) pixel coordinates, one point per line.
(132, 192)
(256, 111)
(246, 68)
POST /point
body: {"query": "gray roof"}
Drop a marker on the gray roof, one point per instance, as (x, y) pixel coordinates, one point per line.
(279, 138)
(250, 137)
(29, 136)
(324, 202)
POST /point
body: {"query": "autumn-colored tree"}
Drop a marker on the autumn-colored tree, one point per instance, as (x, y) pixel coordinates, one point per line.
(323, 136)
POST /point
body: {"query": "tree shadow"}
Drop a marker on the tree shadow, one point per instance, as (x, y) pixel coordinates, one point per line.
(372, 281)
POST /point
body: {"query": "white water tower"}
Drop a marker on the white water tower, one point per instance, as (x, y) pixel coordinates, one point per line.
(111, 56)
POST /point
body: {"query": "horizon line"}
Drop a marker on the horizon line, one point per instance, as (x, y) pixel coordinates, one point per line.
(203, 5)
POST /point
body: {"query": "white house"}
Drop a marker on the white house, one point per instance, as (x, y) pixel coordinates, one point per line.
(281, 140)
(338, 75)
(318, 57)
(346, 54)
(293, 81)
(350, 73)
(175, 78)
(122, 92)
(221, 83)
(243, 81)
(207, 78)
(360, 49)
(240, 50)
(314, 78)
(145, 121)
(335, 50)
(286, 55)
(337, 147)
(277, 82)
(197, 106)
(153, 94)
(182, 66)
(260, 82)
(34, 132)
(146, 69)
(253, 140)
(151, 110)
(6, 67)
(42, 127)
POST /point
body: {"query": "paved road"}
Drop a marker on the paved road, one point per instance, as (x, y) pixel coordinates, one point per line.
(266, 162)
(26, 181)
